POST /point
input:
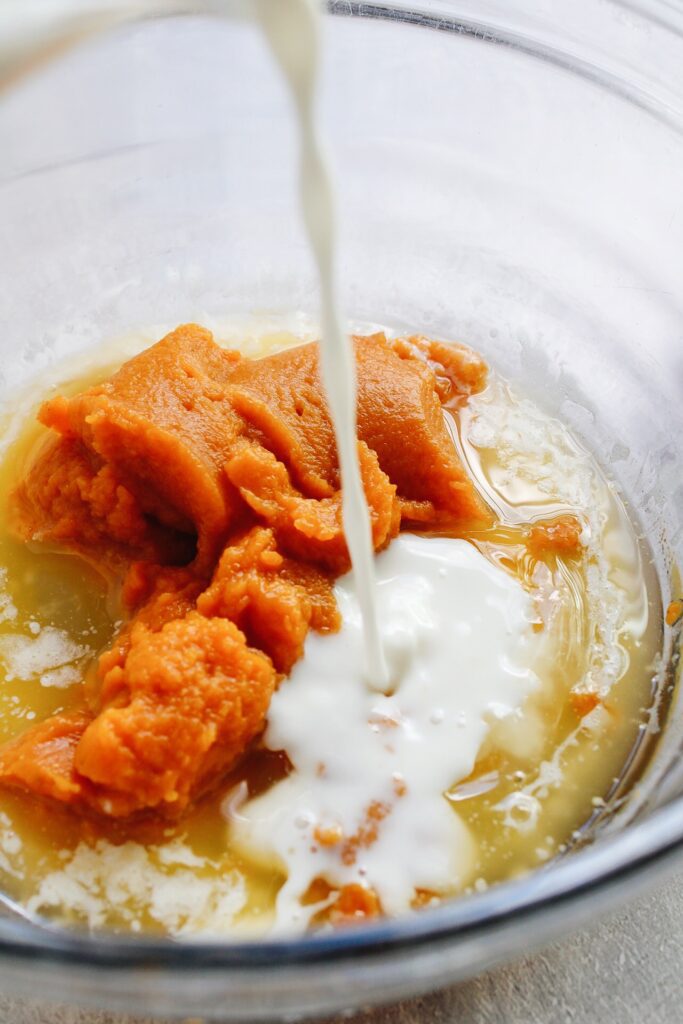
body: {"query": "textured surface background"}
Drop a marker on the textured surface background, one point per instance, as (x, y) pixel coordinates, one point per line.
(627, 969)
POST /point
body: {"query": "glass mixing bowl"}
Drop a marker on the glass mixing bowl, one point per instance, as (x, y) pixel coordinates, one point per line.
(510, 175)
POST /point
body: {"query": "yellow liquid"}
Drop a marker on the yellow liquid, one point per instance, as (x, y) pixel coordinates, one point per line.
(533, 786)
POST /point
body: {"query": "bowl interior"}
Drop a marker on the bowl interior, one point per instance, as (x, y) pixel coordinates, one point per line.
(489, 192)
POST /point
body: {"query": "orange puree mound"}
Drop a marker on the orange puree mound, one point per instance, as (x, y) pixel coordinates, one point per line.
(196, 691)
(311, 528)
(157, 595)
(558, 536)
(65, 500)
(164, 422)
(155, 447)
(399, 417)
(355, 903)
(458, 370)
(272, 599)
(351, 904)
(42, 759)
(190, 443)
(189, 700)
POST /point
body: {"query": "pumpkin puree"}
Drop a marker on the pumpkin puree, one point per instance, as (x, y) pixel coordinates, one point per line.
(207, 484)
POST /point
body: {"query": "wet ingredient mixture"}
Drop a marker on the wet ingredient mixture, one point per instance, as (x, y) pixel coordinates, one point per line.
(223, 764)
(194, 738)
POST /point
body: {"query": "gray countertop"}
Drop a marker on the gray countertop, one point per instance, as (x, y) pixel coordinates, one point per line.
(625, 969)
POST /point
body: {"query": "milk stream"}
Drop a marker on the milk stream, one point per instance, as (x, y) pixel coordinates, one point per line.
(292, 30)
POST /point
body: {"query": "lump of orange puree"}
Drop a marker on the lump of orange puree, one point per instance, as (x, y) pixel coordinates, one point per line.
(41, 761)
(181, 693)
(66, 500)
(261, 606)
(311, 528)
(559, 536)
(400, 419)
(183, 429)
(188, 439)
(273, 599)
(164, 423)
(182, 708)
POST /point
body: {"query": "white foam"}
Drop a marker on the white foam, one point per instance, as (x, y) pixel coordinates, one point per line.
(51, 655)
(169, 884)
(533, 460)
(8, 609)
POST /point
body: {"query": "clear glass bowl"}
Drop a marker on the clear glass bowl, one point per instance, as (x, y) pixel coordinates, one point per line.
(510, 175)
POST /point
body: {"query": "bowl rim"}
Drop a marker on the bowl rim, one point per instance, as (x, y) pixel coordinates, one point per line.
(649, 844)
(640, 850)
